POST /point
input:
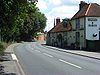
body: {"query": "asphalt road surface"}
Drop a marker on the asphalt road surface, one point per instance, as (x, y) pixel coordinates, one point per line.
(36, 59)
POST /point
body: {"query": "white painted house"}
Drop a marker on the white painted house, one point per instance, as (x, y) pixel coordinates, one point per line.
(85, 28)
(86, 25)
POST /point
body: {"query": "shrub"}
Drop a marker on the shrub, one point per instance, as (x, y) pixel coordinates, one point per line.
(1, 47)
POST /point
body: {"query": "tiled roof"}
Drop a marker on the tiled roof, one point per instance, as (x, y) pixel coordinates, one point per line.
(92, 10)
(61, 28)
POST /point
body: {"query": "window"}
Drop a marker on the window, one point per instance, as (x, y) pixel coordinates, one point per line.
(77, 23)
(64, 22)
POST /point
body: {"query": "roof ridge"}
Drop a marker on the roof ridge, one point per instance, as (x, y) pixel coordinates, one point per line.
(88, 9)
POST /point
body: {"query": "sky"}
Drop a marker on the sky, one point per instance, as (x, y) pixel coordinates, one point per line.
(60, 8)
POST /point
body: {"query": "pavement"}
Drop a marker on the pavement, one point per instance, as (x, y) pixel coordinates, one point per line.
(11, 66)
(94, 55)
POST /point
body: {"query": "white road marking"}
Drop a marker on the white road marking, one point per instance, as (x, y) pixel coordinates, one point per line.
(70, 63)
(14, 57)
(20, 69)
(48, 55)
(32, 49)
(37, 51)
(19, 66)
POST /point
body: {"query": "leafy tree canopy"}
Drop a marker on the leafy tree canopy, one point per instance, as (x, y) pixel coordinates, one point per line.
(17, 19)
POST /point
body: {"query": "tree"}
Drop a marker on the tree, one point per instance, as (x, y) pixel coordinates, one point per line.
(29, 21)
(8, 9)
(18, 18)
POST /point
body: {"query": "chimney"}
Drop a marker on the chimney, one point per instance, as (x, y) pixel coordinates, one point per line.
(57, 20)
(81, 5)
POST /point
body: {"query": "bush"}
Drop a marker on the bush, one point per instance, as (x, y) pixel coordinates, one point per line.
(1, 47)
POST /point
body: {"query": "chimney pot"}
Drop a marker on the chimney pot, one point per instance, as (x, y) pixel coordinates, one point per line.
(81, 5)
(57, 20)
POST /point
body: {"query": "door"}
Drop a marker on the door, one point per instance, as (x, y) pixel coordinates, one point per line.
(77, 39)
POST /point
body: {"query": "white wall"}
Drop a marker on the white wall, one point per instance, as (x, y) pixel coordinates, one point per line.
(71, 37)
(82, 22)
(92, 27)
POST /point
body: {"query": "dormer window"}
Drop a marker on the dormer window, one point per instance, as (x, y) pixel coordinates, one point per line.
(65, 22)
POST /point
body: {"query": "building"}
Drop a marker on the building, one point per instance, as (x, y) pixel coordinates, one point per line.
(86, 26)
(57, 36)
(85, 29)
(40, 36)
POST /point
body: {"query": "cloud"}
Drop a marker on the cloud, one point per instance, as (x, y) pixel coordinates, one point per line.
(96, 1)
(42, 5)
(62, 12)
(60, 8)
(55, 2)
(50, 22)
(89, 1)
(59, 11)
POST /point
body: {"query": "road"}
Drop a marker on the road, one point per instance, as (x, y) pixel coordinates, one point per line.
(36, 59)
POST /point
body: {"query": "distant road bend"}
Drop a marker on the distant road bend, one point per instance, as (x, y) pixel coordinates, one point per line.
(36, 59)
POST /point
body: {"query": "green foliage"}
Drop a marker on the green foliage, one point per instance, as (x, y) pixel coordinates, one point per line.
(18, 18)
(8, 9)
(29, 20)
(1, 48)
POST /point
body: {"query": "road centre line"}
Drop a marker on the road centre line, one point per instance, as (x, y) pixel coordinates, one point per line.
(37, 51)
(48, 55)
(70, 63)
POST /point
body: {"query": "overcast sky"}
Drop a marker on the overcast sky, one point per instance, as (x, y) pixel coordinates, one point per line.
(60, 8)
